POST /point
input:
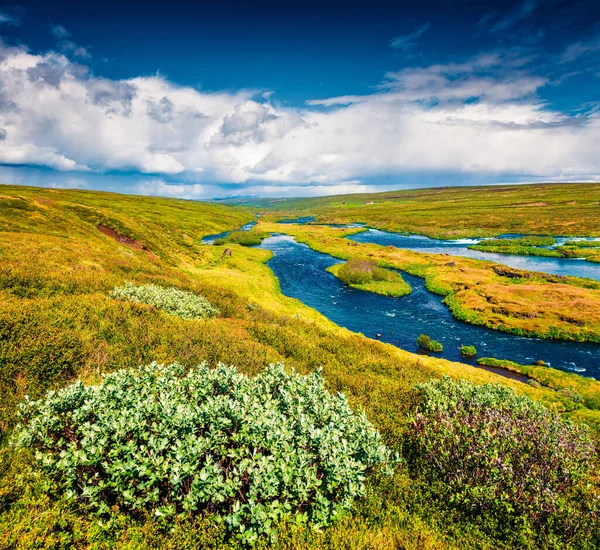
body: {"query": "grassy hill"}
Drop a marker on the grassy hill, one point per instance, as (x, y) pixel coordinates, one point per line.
(455, 212)
(62, 252)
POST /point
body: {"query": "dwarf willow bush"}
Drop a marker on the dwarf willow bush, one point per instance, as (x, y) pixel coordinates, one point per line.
(253, 451)
(179, 303)
(493, 454)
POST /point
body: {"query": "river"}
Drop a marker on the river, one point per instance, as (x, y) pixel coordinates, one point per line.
(399, 321)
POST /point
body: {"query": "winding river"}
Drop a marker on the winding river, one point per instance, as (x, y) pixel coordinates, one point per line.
(399, 321)
(418, 243)
(302, 274)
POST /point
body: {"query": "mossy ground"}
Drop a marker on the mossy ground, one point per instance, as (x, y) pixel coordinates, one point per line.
(57, 323)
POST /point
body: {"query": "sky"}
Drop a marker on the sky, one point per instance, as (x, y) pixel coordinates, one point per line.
(212, 99)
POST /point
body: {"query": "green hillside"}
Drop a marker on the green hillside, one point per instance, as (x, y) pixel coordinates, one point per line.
(62, 253)
(454, 212)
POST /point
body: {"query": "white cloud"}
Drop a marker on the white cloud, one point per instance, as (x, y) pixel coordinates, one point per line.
(520, 13)
(58, 31)
(407, 42)
(7, 19)
(479, 116)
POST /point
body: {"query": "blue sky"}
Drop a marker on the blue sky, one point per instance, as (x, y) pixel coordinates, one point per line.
(209, 99)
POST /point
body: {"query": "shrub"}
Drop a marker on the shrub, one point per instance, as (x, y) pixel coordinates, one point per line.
(534, 383)
(468, 351)
(571, 394)
(179, 303)
(428, 344)
(254, 451)
(490, 453)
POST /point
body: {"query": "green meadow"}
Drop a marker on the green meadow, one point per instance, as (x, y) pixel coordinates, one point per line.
(96, 283)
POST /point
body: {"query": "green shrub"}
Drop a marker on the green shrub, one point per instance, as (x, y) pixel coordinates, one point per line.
(425, 342)
(186, 305)
(254, 451)
(503, 459)
(534, 383)
(468, 351)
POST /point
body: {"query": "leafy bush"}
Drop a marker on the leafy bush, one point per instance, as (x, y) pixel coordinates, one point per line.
(359, 271)
(427, 343)
(186, 305)
(254, 451)
(493, 454)
(534, 383)
(245, 238)
(468, 351)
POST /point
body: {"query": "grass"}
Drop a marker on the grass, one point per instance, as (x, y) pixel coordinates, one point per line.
(58, 323)
(476, 291)
(457, 212)
(244, 238)
(366, 275)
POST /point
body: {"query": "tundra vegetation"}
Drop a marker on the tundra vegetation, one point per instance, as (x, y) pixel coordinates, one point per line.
(253, 451)
(468, 351)
(541, 246)
(365, 274)
(426, 343)
(186, 305)
(59, 325)
(244, 238)
(465, 436)
(457, 212)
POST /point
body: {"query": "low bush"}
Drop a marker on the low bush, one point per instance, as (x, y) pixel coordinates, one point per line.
(570, 394)
(186, 305)
(468, 351)
(504, 459)
(253, 451)
(425, 342)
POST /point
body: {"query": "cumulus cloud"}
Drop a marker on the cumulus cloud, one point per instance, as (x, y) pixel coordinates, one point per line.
(482, 115)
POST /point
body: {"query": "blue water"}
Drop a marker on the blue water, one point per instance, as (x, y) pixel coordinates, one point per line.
(210, 239)
(418, 243)
(302, 275)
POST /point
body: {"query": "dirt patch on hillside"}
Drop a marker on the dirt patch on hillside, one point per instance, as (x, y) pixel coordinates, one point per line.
(131, 243)
(533, 204)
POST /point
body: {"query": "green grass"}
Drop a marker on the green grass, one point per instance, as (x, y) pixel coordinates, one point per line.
(366, 275)
(58, 324)
(456, 212)
(244, 238)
